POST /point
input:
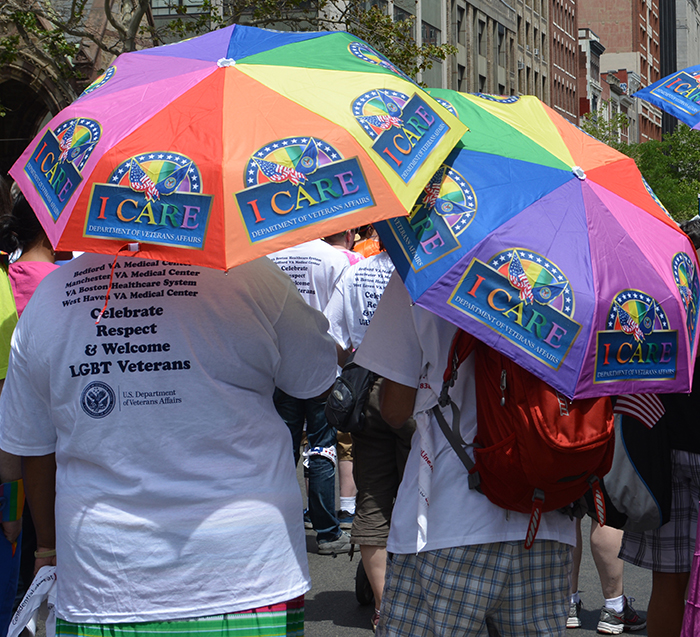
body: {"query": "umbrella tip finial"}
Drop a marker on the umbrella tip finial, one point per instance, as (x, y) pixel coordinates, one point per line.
(226, 62)
(578, 171)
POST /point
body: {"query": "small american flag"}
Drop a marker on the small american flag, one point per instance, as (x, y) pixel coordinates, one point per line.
(141, 182)
(646, 408)
(66, 141)
(278, 173)
(432, 190)
(519, 280)
(384, 122)
(686, 295)
(629, 325)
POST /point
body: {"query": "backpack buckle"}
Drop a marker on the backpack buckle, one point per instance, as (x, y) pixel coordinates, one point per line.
(444, 397)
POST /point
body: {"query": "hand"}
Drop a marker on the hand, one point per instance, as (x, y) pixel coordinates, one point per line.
(11, 530)
(43, 561)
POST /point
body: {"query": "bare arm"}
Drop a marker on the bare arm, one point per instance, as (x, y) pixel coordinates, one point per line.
(396, 402)
(39, 474)
(343, 354)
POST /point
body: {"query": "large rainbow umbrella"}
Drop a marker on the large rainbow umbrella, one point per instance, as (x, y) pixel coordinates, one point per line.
(549, 246)
(234, 144)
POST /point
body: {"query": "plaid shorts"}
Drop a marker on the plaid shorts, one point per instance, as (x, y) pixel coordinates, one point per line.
(669, 549)
(458, 591)
(285, 619)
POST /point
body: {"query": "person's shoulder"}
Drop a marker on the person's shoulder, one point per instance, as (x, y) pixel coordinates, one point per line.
(262, 269)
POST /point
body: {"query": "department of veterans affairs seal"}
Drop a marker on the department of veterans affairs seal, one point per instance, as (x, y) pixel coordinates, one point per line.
(97, 399)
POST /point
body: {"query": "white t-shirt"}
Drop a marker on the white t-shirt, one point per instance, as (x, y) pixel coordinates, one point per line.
(410, 346)
(315, 268)
(176, 488)
(355, 299)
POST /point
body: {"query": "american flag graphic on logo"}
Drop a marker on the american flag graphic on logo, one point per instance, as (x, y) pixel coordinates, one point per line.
(141, 182)
(383, 122)
(518, 279)
(628, 324)
(432, 190)
(278, 173)
(67, 141)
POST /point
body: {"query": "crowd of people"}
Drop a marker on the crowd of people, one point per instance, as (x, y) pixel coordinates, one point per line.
(161, 483)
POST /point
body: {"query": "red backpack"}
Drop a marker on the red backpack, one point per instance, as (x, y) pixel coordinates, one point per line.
(535, 450)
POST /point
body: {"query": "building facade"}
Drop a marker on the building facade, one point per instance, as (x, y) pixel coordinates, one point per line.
(485, 34)
(630, 33)
(563, 28)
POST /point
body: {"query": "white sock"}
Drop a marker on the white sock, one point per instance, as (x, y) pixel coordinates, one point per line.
(616, 603)
(575, 598)
(348, 504)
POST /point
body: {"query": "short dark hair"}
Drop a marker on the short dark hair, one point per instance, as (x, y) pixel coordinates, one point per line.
(692, 229)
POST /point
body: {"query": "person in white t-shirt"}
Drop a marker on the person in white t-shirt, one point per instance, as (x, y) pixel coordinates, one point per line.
(379, 451)
(175, 493)
(315, 267)
(456, 560)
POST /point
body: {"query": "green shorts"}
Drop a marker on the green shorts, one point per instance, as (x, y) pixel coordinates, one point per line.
(278, 620)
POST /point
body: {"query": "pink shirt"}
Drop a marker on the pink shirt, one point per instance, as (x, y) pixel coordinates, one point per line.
(25, 276)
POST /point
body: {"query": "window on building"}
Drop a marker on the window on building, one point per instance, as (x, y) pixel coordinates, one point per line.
(501, 45)
(527, 35)
(460, 25)
(595, 68)
(430, 34)
(461, 80)
(481, 37)
(175, 7)
(482, 83)
(520, 31)
(400, 14)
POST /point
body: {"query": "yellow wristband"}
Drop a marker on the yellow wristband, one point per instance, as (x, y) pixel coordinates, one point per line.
(43, 554)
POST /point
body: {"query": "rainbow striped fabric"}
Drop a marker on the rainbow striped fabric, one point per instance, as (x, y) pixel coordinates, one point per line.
(285, 619)
(11, 500)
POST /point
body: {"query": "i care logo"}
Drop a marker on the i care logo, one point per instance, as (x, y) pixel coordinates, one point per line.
(682, 90)
(364, 52)
(156, 197)
(686, 277)
(55, 165)
(405, 129)
(637, 343)
(294, 182)
(432, 229)
(524, 297)
(100, 81)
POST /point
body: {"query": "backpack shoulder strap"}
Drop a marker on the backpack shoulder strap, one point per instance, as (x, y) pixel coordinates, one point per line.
(463, 344)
